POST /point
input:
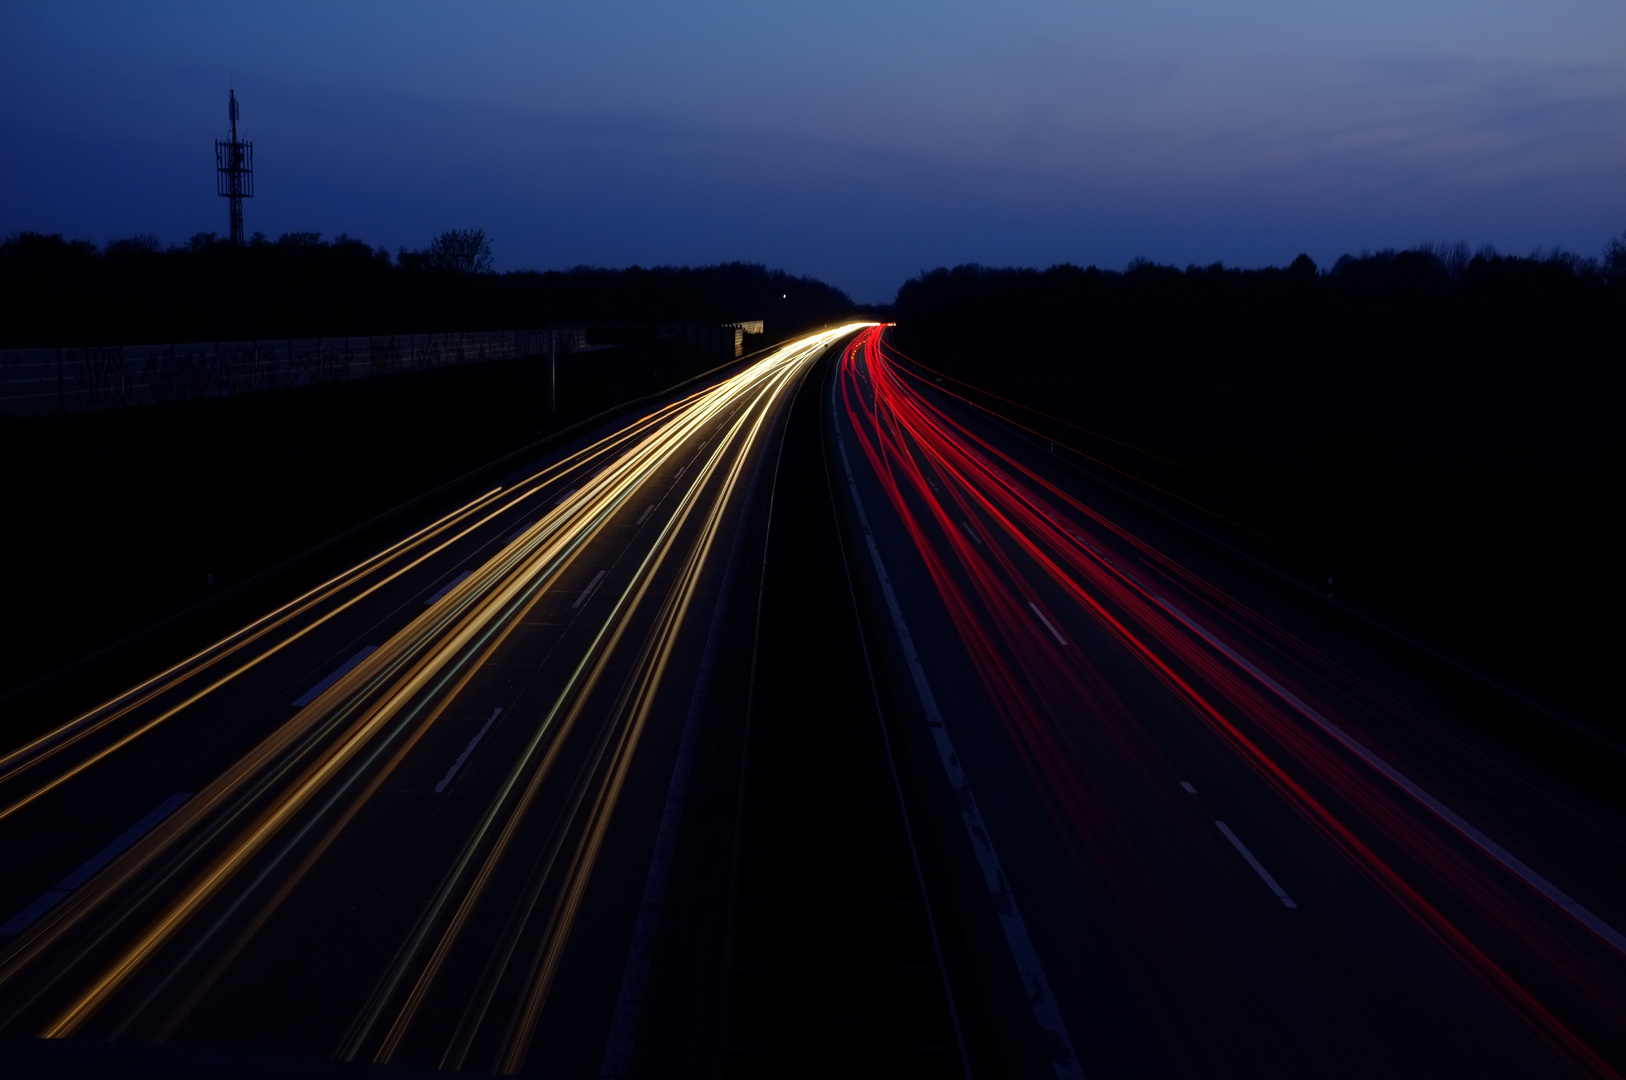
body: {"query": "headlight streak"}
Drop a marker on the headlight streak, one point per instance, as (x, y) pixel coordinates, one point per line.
(1035, 684)
(366, 678)
(603, 511)
(54, 741)
(76, 730)
(66, 737)
(517, 495)
(332, 756)
(578, 686)
(291, 880)
(285, 747)
(635, 704)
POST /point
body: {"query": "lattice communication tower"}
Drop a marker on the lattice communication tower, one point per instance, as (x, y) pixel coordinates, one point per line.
(234, 170)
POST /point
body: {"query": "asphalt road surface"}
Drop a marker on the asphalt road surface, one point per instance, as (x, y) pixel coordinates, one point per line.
(425, 813)
(1209, 834)
(811, 724)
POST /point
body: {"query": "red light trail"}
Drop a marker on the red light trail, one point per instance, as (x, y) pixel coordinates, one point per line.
(998, 538)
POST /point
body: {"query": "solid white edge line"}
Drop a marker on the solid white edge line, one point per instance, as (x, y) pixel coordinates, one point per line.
(1045, 1010)
(1258, 867)
(1053, 631)
(467, 750)
(1496, 851)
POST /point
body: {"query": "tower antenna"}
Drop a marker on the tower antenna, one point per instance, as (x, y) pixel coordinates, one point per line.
(234, 170)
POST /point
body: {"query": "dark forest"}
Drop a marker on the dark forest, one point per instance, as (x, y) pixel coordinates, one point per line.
(135, 291)
(1433, 431)
(1433, 314)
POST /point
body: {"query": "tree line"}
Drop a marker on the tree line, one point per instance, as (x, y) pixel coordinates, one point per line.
(136, 290)
(1433, 314)
(1433, 427)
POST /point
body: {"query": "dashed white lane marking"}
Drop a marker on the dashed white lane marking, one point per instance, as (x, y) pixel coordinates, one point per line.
(1053, 631)
(1063, 1058)
(449, 586)
(969, 531)
(1258, 867)
(591, 585)
(1189, 789)
(650, 509)
(565, 496)
(25, 918)
(467, 750)
(521, 531)
(338, 673)
(1496, 851)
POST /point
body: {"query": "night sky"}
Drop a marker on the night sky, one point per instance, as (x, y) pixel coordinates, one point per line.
(857, 143)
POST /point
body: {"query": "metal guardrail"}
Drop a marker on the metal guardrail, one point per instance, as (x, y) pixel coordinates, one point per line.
(77, 379)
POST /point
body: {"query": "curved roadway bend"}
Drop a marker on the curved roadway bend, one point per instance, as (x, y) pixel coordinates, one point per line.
(366, 826)
(1196, 833)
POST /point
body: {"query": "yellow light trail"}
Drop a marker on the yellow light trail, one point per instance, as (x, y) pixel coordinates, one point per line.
(69, 734)
(339, 748)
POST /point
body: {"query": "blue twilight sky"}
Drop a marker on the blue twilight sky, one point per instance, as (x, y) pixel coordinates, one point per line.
(855, 142)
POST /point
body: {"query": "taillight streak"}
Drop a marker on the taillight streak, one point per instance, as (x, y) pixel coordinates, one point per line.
(1040, 689)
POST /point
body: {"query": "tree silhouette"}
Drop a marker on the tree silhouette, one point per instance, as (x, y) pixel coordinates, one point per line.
(62, 292)
(460, 251)
(1614, 258)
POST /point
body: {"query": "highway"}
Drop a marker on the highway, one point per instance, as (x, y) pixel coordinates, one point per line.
(1194, 829)
(426, 812)
(807, 722)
